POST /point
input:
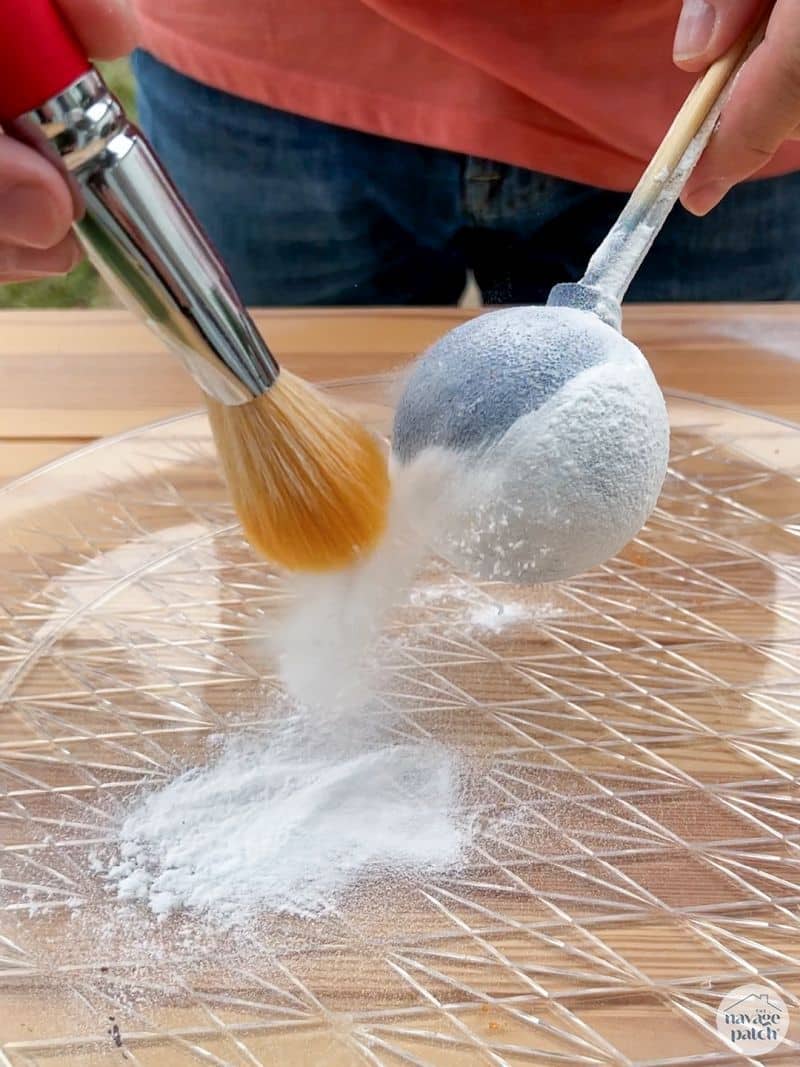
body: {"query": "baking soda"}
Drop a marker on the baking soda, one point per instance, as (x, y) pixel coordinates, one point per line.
(286, 827)
(289, 818)
(286, 820)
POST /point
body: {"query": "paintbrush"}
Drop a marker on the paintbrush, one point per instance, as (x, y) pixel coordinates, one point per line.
(310, 483)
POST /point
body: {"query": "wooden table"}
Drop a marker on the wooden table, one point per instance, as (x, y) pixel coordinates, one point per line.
(71, 376)
(678, 668)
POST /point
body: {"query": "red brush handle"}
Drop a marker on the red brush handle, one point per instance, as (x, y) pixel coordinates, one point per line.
(39, 55)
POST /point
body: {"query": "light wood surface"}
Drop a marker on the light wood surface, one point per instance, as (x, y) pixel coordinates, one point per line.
(71, 376)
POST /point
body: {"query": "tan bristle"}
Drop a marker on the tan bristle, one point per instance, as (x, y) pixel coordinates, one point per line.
(310, 484)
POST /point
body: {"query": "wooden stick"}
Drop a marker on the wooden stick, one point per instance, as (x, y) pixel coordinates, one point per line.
(693, 114)
(620, 255)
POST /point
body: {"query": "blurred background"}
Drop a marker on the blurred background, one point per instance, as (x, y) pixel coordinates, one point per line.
(83, 286)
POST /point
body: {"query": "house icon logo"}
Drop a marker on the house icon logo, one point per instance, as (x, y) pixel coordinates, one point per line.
(752, 1019)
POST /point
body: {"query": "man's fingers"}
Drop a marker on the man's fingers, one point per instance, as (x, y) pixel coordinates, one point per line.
(36, 212)
(36, 208)
(707, 28)
(106, 28)
(762, 111)
(28, 264)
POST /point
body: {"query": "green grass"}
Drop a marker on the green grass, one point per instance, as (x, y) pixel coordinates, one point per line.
(82, 287)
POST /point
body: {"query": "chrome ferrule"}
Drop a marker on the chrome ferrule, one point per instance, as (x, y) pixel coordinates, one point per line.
(143, 240)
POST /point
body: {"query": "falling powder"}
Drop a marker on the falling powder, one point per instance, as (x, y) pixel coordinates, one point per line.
(287, 821)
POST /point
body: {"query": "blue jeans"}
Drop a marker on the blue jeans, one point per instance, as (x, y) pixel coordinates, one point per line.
(306, 213)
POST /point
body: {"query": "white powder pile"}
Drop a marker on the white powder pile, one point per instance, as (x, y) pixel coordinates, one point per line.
(284, 827)
(287, 821)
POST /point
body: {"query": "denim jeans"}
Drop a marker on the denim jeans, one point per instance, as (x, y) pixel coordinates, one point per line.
(307, 213)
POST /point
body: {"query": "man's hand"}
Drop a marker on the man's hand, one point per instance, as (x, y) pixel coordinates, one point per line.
(763, 109)
(36, 209)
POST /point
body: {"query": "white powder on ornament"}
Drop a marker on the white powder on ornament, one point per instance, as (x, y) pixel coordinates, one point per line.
(567, 485)
(560, 434)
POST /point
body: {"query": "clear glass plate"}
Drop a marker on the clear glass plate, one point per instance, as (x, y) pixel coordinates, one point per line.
(631, 737)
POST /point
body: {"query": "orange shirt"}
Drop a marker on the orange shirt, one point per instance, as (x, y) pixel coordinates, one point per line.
(582, 89)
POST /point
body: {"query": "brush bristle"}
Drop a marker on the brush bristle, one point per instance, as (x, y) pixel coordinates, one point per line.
(310, 484)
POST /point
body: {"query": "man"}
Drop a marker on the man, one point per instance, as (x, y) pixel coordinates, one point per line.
(375, 151)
